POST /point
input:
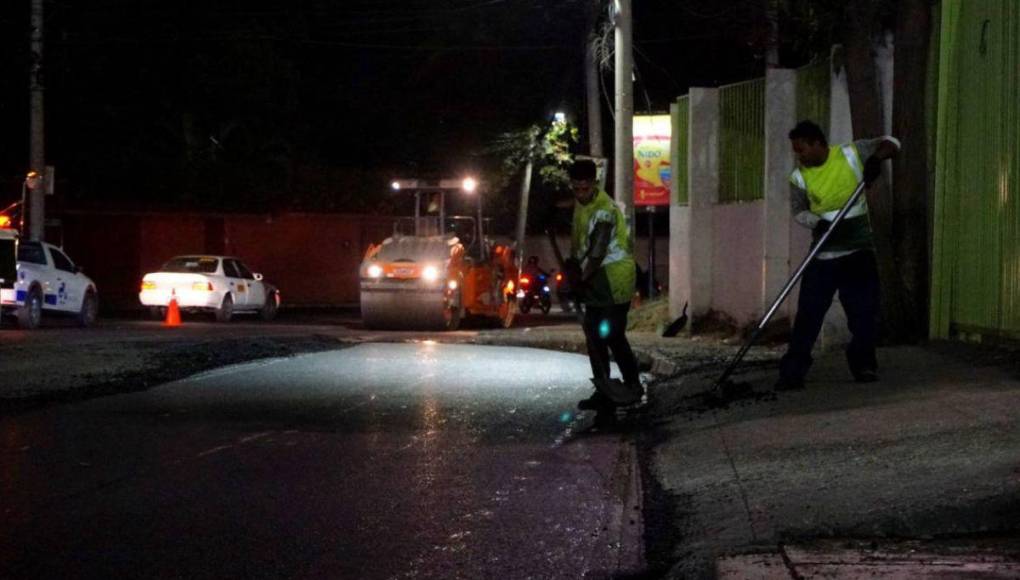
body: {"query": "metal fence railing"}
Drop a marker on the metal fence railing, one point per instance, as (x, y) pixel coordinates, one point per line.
(681, 125)
(742, 141)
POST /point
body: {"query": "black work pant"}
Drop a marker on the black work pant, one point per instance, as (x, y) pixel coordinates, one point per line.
(605, 329)
(855, 276)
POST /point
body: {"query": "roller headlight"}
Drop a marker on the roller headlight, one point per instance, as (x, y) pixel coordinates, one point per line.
(374, 271)
(430, 273)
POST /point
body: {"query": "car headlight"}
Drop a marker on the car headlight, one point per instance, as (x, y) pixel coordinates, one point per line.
(374, 271)
(430, 273)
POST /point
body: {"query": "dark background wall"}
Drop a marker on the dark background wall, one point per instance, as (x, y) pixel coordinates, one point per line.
(312, 258)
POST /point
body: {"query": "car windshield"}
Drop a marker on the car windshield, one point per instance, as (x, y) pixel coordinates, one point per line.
(192, 265)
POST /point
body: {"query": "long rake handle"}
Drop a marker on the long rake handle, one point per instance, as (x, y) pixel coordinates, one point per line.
(791, 283)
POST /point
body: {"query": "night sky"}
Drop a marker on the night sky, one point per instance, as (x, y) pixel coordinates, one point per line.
(313, 103)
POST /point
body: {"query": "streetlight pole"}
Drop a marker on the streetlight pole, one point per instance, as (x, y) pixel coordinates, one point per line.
(623, 173)
(591, 78)
(37, 146)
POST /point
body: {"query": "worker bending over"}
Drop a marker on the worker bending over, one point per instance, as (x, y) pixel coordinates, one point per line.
(601, 270)
(823, 182)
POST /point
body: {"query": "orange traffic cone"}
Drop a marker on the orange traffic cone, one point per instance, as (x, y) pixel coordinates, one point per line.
(173, 312)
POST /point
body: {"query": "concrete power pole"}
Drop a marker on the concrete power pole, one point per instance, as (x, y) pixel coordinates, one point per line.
(591, 77)
(772, 42)
(623, 169)
(37, 145)
(522, 209)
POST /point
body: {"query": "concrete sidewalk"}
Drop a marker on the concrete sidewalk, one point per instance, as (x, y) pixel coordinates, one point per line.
(916, 476)
(930, 451)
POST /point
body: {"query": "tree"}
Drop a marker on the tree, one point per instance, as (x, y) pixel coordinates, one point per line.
(899, 217)
(911, 231)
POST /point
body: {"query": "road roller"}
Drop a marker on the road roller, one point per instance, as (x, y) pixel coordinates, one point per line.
(437, 269)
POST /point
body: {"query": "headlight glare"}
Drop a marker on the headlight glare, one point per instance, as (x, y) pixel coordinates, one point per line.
(374, 271)
(430, 273)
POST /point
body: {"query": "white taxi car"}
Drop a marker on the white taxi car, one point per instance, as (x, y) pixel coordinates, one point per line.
(46, 280)
(222, 285)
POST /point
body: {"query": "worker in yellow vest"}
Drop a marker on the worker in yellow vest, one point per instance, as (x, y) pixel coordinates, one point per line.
(603, 271)
(824, 180)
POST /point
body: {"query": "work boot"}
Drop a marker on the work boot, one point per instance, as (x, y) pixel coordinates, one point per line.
(865, 376)
(596, 402)
(639, 392)
(789, 384)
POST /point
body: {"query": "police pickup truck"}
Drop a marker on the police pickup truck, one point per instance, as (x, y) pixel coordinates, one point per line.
(37, 277)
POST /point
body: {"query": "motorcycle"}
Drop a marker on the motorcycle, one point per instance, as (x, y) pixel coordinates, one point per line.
(534, 290)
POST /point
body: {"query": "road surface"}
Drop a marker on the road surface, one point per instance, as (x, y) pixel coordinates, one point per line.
(417, 460)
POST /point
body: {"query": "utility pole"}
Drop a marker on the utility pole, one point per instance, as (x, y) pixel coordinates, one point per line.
(522, 210)
(37, 145)
(591, 77)
(623, 169)
(772, 42)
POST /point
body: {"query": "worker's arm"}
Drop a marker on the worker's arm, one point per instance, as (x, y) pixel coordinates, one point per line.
(874, 152)
(801, 209)
(598, 247)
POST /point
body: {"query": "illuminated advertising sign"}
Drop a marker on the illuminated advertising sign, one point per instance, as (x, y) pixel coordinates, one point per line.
(652, 172)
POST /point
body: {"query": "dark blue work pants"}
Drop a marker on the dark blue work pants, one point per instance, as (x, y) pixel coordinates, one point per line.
(614, 320)
(856, 278)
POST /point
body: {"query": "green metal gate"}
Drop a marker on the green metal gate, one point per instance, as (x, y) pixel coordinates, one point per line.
(742, 141)
(976, 253)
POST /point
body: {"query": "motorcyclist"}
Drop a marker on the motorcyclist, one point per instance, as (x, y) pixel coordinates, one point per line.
(532, 270)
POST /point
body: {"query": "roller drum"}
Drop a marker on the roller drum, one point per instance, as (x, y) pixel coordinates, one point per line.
(404, 309)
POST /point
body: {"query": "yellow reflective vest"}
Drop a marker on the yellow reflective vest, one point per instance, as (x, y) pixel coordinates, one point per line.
(614, 281)
(828, 188)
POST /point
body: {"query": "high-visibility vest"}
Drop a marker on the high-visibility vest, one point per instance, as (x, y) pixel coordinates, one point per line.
(614, 283)
(828, 188)
(831, 184)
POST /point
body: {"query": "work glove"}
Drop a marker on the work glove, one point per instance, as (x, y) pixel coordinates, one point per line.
(820, 228)
(872, 169)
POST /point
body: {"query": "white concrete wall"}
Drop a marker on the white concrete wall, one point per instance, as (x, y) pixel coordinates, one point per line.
(679, 258)
(737, 257)
(679, 230)
(780, 117)
(703, 194)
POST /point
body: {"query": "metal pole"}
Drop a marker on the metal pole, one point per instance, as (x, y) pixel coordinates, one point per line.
(772, 40)
(651, 252)
(591, 76)
(37, 146)
(623, 178)
(522, 210)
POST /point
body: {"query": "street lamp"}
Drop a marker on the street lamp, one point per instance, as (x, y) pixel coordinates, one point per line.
(470, 186)
(30, 183)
